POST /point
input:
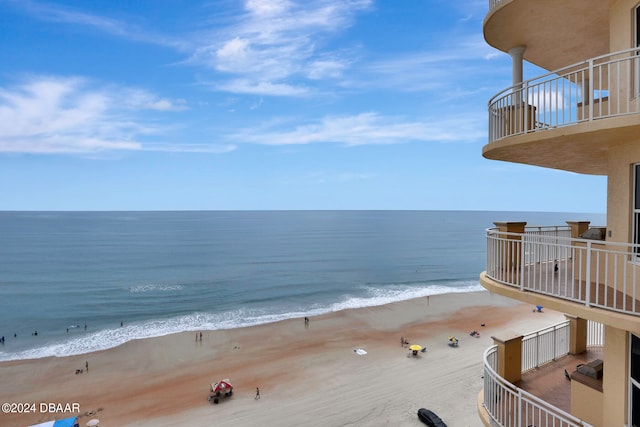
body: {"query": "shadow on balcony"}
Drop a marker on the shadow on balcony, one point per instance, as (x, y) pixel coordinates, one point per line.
(549, 383)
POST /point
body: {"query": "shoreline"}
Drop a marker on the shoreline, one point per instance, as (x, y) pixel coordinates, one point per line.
(106, 338)
(308, 374)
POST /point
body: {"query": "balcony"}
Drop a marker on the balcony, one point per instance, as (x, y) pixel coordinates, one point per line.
(594, 279)
(564, 119)
(556, 33)
(542, 396)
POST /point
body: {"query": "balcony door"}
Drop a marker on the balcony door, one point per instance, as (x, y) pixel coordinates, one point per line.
(634, 381)
(636, 62)
(636, 209)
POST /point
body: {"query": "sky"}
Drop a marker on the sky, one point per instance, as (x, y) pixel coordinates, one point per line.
(259, 105)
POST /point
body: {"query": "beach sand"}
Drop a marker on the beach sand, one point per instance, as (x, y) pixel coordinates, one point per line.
(308, 375)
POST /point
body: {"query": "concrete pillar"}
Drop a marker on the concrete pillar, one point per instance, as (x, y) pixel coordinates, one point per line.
(509, 364)
(512, 249)
(577, 334)
(517, 75)
(517, 54)
(578, 227)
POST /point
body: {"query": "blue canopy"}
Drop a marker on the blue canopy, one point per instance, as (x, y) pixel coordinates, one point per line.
(67, 422)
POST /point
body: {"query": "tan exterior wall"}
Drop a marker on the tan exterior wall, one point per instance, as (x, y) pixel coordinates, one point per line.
(586, 404)
(621, 18)
(620, 193)
(615, 376)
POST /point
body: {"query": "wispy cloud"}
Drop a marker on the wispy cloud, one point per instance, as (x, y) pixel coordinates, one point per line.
(49, 12)
(46, 114)
(367, 129)
(272, 43)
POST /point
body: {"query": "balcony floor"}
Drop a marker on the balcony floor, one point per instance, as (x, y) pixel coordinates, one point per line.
(549, 383)
(543, 277)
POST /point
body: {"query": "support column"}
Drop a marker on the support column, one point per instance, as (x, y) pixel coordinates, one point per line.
(509, 363)
(511, 247)
(578, 227)
(517, 55)
(577, 334)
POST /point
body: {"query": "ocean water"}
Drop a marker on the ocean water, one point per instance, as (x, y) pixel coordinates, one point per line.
(86, 281)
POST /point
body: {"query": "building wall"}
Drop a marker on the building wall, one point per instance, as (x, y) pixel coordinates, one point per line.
(622, 157)
(619, 190)
(621, 19)
(615, 377)
(586, 404)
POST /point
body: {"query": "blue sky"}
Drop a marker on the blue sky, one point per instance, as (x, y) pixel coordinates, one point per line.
(259, 104)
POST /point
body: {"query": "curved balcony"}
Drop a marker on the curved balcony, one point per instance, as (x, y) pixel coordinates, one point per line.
(547, 262)
(556, 33)
(505, 404)
(563, 119)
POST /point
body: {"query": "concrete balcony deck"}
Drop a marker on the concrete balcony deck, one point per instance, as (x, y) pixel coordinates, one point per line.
(548, 381)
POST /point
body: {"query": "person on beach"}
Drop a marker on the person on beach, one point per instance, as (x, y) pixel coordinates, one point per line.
(200, 336)
(86, 365)
(257, 393)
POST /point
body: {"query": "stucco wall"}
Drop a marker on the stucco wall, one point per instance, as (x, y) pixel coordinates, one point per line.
(615, 377)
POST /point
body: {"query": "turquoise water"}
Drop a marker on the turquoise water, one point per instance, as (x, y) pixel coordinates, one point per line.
(157, 273)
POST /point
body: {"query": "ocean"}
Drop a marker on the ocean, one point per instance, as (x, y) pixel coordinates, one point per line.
(76, 282)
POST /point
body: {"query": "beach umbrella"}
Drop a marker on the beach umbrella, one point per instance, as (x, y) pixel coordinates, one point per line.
(222, 386)
(415, 347)
(67, 422)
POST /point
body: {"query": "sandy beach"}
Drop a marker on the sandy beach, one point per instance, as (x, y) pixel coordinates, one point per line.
(308, 374)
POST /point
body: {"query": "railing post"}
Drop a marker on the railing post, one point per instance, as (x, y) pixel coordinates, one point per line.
(525, 101)
(523, 250)
(588, 276)
(538, 344)
(519, 411)
(590, 89)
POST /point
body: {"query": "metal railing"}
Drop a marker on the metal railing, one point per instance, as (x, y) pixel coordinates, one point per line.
(591, 272)
(510, 406)
(494, 3)
(601, 87)
(545, 345)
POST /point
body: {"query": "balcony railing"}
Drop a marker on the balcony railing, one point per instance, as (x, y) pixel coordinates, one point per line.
(602, 87)
(510, 406)
(595, 273)
(494, 3)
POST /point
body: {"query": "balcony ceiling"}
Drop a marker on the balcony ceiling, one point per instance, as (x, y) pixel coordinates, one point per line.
(581, 148)
(556, 33)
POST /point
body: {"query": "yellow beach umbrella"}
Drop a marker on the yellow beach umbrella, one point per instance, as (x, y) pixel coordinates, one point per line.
(415, 347)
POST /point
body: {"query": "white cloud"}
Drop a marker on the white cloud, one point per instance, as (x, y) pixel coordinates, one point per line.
(367, 129)
(47, 114)
(322, 69)
(267, 7)
(247, 86)
(276, 41)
